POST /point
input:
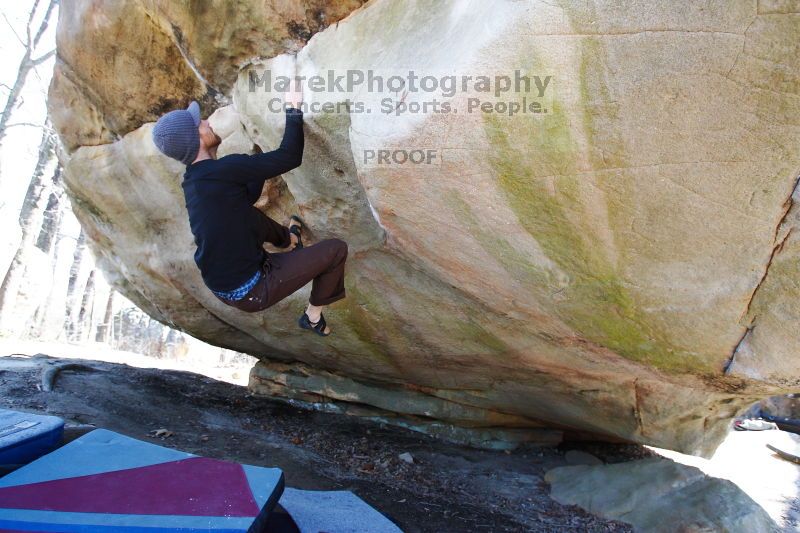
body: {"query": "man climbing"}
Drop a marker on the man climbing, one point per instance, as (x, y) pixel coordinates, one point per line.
(229, 230)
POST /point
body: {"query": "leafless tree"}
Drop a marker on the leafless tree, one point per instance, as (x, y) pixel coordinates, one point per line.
(27, 63)
(104, 329)
(51, 217)
(48, 237)
(83, 330)
(72, 310)
(37, 189)
(29, 219)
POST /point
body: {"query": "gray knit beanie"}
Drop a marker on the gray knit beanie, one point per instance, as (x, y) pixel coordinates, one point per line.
(176, 133)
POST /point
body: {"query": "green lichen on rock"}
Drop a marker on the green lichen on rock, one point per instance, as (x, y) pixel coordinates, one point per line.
(360, 315)
(536, 162)
(385, 328)
(90, 208)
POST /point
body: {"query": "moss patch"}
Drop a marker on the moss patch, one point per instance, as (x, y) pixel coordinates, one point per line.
(361, 314)
(511, 259)
(381, 322)
(90, 209)
(536, 162)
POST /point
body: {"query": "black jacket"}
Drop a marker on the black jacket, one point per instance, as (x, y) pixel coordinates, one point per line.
(219, 196)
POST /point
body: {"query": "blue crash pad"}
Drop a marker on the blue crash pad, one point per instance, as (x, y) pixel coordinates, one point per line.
(334, 511)
(104, 481)
(25, 436)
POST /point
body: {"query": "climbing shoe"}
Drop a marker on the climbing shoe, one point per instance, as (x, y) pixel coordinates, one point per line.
(318, 328)
(297, 230)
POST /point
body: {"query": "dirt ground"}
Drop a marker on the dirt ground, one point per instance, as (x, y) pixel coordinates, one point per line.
(447, 488)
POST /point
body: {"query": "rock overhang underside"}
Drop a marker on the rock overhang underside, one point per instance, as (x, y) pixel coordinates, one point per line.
(624, 265)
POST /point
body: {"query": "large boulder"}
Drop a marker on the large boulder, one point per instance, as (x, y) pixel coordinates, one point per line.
(659, 495)
(623, 264)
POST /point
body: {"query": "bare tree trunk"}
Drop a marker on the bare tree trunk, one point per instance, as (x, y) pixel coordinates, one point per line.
(37, 185)
(104, 328)
(49, 236)
(70, 317)
(51, 218)
(29, 218)
(87, 308)
(116, 330)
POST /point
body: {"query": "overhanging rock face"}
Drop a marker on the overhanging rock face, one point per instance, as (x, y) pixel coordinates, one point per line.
(625, 264)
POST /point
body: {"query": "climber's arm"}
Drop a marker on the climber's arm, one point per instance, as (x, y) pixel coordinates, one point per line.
(289, 155)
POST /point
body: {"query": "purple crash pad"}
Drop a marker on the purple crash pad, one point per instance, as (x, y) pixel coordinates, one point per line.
(105, 481)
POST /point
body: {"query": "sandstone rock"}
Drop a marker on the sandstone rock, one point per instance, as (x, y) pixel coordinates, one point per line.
(659, 495)
(599, 268)
(786, 406)
(577, 457)
(121, 64)
(407, 407)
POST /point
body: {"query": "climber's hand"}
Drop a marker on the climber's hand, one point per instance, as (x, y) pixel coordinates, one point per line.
(294, 96)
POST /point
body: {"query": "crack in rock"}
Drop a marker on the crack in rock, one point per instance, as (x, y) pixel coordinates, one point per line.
(178, 39)
(777, 247)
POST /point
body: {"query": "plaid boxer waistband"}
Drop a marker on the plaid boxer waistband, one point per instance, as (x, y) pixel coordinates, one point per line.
(237, 294)
(240, 292)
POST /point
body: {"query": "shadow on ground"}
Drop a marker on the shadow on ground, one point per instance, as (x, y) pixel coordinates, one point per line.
(447, 488)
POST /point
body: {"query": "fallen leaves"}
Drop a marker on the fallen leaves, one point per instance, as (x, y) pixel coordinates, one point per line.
(160, 433)
(367, 468)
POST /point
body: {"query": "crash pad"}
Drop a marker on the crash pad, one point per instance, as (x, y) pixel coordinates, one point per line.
(336, 511)
(26, 436)
(105, 481)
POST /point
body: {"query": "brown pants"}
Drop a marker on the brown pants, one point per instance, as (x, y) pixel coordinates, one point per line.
(285, 273)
